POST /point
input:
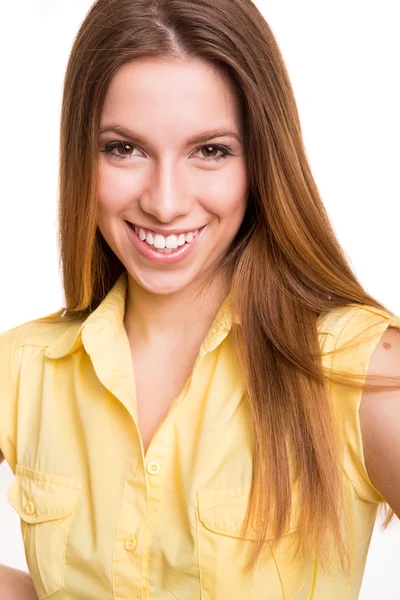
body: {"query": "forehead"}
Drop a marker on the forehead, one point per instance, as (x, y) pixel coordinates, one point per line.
(161, 91)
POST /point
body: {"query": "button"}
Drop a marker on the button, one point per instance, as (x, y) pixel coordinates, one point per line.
(153, 467)
(30, 508)
(130, 543)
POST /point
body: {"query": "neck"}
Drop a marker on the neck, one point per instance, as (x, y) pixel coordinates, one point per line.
(157, 318)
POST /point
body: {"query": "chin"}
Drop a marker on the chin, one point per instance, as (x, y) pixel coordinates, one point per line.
(161, 283)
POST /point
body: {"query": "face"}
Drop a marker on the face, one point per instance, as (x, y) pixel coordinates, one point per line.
(164, 179)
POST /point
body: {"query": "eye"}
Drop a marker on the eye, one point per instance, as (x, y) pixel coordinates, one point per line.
(224, 151)
(124, 150)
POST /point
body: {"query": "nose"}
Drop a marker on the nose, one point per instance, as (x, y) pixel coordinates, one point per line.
(166, 197)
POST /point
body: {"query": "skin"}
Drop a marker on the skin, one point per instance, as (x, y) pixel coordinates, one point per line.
(16, 584)
(379, 421)
(166, 184)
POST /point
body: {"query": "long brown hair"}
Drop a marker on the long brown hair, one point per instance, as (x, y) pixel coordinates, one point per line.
(286, 264)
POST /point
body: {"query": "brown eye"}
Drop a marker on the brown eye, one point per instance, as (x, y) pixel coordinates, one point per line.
(213, 149)
(124, 148)
(119, 150)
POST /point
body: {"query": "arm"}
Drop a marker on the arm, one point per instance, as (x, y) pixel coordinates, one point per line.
(16, 585)
(380, 422)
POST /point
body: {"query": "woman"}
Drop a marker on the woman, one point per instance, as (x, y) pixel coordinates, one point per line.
(195, 423)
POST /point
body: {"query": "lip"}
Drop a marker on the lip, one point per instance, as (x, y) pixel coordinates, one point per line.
(163, 259)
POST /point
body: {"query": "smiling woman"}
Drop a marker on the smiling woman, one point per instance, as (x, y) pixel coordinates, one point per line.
(166, 184)
(201, 419)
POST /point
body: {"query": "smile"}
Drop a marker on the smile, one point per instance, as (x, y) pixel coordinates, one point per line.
(164, 250)
(161, 242)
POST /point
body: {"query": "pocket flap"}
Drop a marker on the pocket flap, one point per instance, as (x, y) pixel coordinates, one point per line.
(223, 511)
(38, 496)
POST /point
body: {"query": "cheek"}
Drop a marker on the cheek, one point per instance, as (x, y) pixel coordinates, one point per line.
(227, 196)
(114, 187)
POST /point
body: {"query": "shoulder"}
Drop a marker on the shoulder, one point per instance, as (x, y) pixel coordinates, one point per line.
(35, 333)
(380, 418)
(385, 359)
(364, 340)
(354, 332)
(354, 317)
(13, 342)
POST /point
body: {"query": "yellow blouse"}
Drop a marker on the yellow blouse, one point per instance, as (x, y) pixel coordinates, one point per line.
(102, 520)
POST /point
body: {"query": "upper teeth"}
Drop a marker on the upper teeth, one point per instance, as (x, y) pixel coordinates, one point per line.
(160, 242)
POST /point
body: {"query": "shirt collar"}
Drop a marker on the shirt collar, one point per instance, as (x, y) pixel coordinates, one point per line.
(107, 320)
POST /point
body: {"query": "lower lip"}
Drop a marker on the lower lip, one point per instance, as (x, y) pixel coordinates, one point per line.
(159, 257)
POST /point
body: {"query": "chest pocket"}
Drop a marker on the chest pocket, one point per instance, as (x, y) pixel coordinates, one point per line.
(220, 516)
(45, 503)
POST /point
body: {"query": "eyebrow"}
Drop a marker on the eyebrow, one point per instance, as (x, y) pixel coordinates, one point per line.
(197, 139)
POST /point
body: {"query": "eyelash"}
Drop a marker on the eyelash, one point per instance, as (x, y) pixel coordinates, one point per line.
(107, 150)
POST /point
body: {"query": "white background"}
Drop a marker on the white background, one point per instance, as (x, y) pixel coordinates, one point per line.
(343, 59)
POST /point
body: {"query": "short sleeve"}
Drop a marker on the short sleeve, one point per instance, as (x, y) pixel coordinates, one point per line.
(363, 327)
(8, 396)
